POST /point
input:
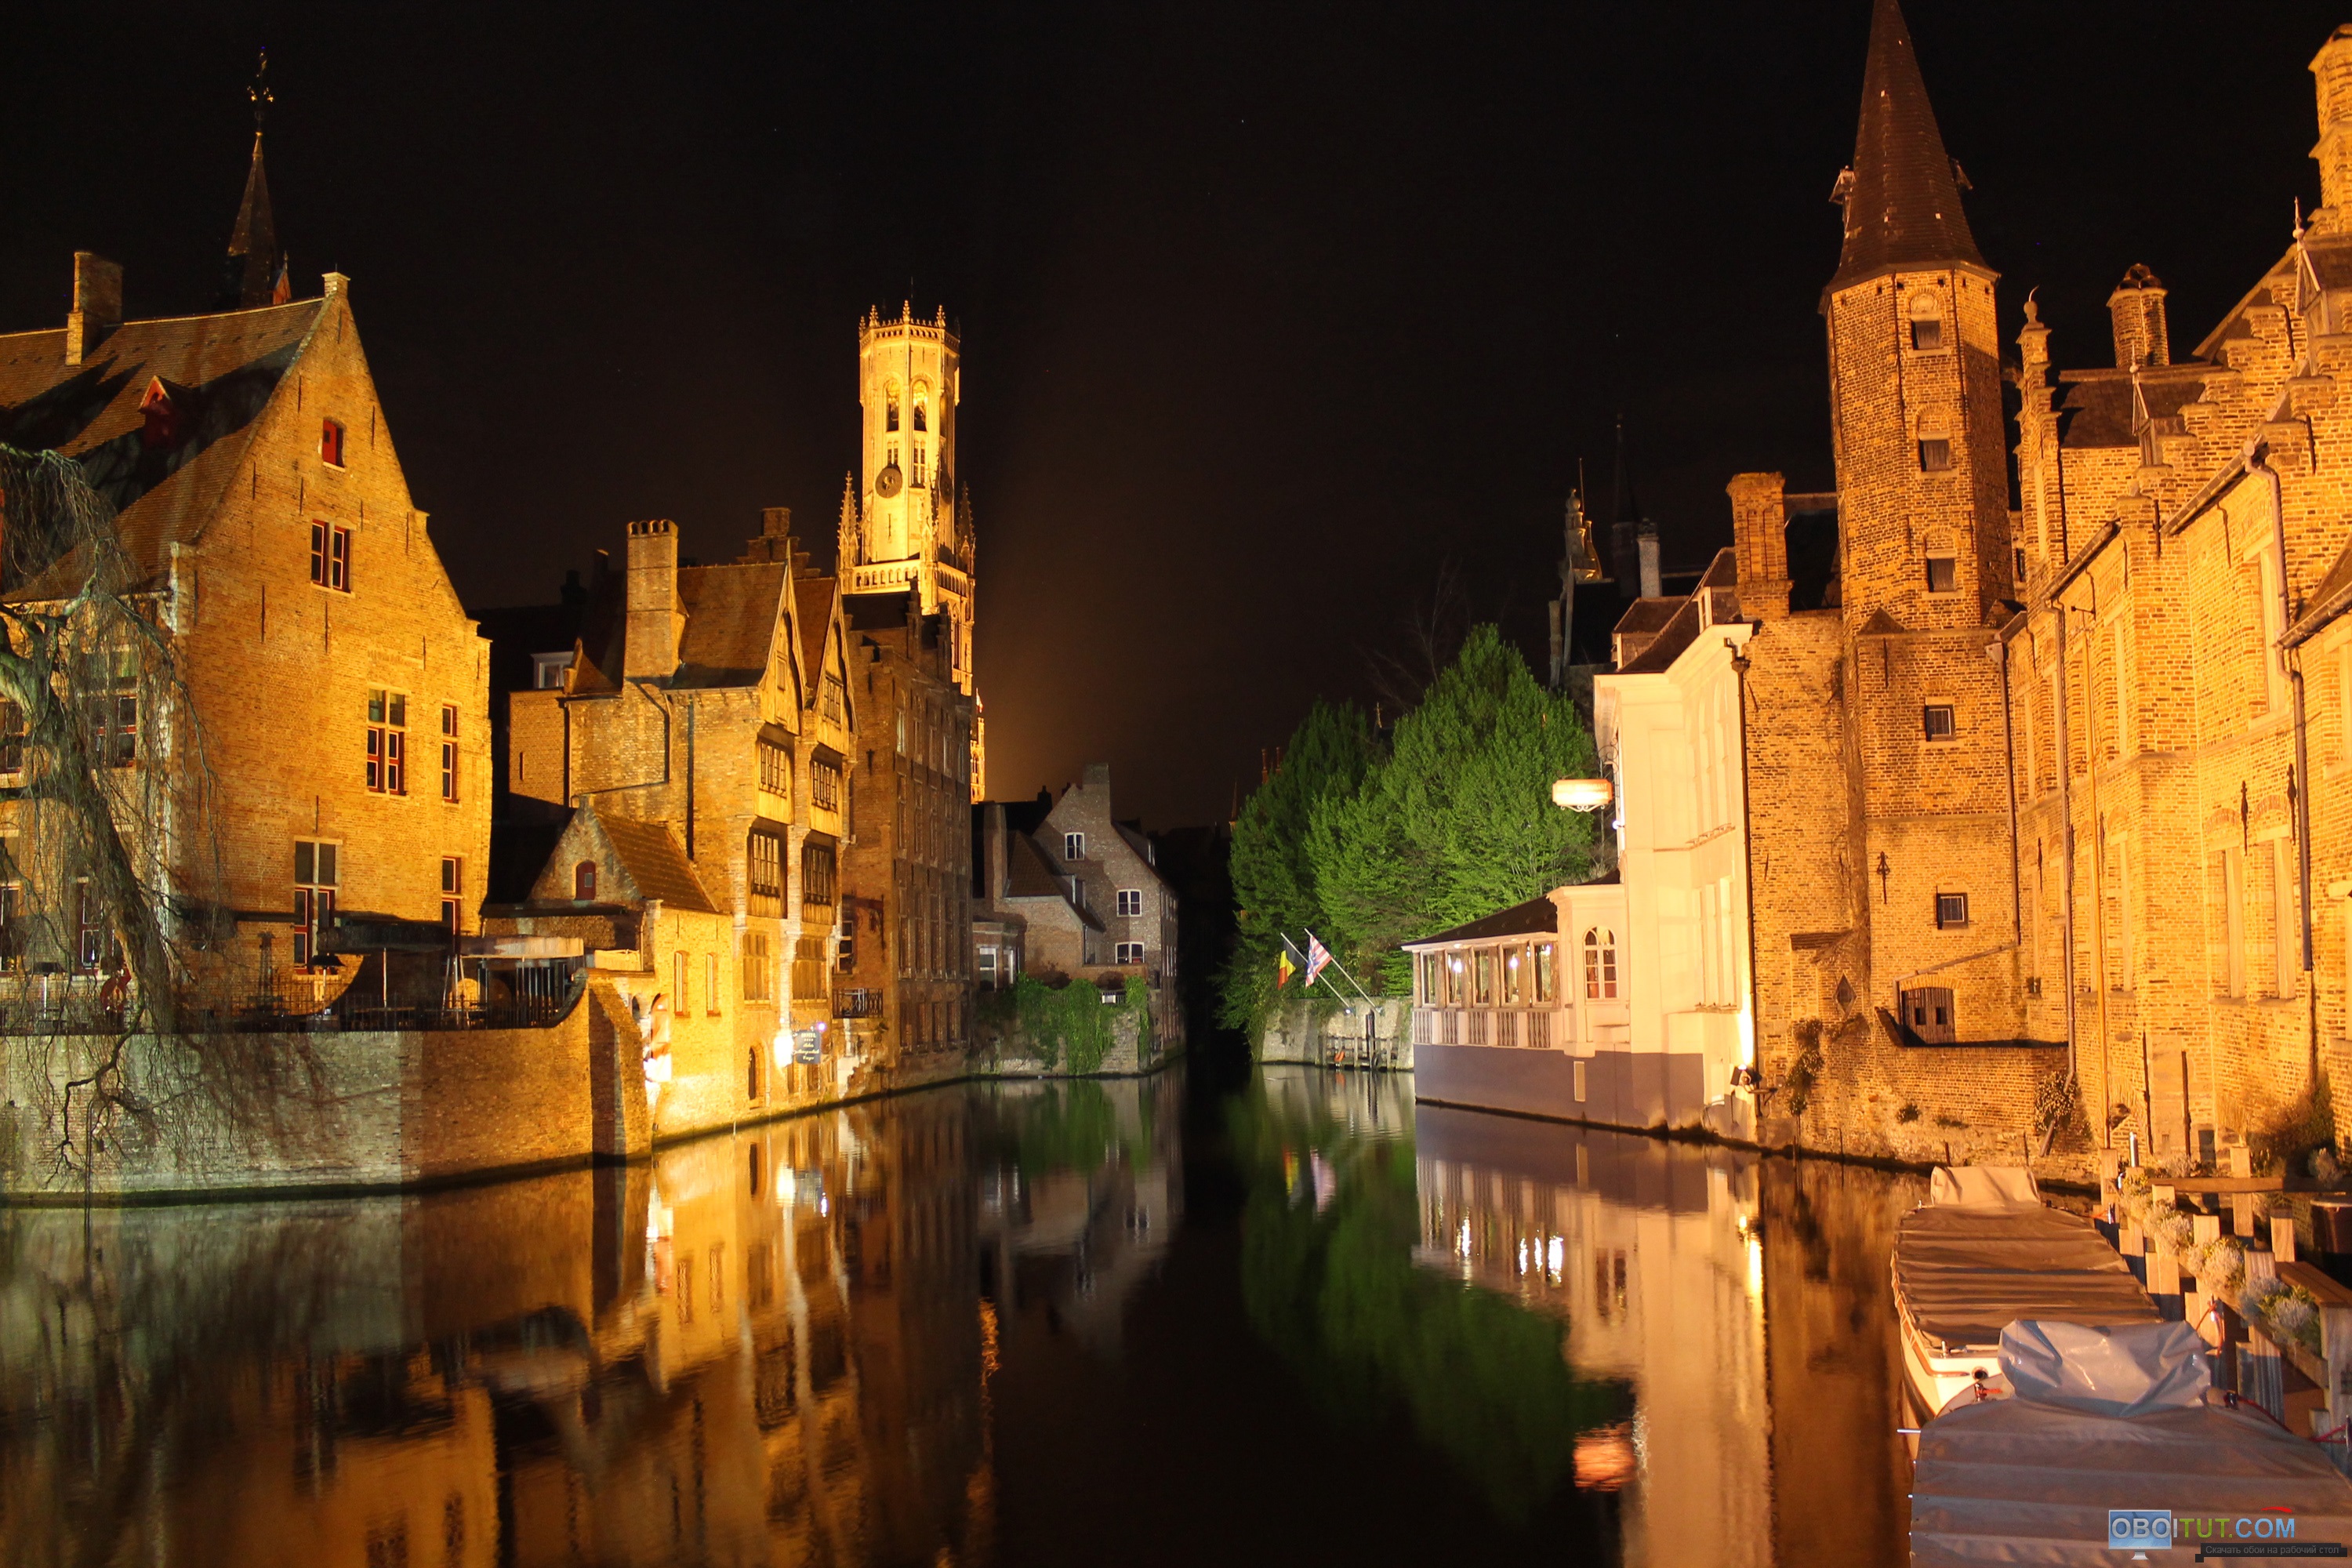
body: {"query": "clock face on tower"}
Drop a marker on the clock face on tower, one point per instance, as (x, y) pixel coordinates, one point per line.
(886, 483)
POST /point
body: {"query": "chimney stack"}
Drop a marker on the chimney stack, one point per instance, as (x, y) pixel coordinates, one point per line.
(654, 621)
(1646, 542)
(1760, 533)
(2142, 338)
(97, 304)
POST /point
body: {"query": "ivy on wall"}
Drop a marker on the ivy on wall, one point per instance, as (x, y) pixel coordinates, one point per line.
(1068, 1028)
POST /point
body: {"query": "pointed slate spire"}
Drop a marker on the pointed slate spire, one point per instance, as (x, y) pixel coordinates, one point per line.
(1902, 197)
(254, 264)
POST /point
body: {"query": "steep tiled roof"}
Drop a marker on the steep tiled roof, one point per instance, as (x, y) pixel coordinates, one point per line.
(1538, 916)
(2096, 408)
(219, 372)
(1902, 207)
(730, 622)
(649, 854)
(814, 598)
(1680, 631)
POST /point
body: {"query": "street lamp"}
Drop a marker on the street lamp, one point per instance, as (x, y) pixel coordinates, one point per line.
(1581, 794)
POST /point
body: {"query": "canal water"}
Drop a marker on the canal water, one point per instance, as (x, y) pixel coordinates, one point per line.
(1283, 1318)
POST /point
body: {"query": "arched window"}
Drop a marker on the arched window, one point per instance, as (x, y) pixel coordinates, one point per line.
(1599, 964)
(890, 414)
(1926, 321)
(583, 881)
(922, 421)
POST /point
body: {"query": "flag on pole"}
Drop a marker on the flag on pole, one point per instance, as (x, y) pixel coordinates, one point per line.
(1318, 955)
(1283, 968)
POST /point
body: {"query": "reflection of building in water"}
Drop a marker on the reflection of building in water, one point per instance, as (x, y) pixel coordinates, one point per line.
(760, 1350)
(1651, 1252)
(1084, 1209)
(1366, 1105)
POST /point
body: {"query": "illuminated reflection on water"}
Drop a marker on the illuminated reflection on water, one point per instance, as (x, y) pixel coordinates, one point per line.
(1306, 1322)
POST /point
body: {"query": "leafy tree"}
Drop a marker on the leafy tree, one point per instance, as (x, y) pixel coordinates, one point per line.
(1458, 821)
(1273, 874)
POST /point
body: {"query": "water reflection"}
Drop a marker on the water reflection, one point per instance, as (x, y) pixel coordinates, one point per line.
(962, 1327)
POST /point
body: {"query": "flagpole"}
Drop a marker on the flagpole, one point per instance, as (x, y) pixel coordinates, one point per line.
(1342, 969)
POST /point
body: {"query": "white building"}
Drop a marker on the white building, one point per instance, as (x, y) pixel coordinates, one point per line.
(1668, 722)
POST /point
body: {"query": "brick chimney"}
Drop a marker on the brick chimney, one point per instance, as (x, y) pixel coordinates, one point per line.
(1759, 535)
(97, 304)
(2136, 307)
(654, 621)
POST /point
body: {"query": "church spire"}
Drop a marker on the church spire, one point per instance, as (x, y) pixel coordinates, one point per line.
(1902, 197)
(255, 274)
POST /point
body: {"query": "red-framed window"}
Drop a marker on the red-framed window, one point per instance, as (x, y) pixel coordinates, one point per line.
(330, 443)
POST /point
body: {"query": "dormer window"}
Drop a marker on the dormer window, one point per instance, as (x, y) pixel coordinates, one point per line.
(159, 419)
(330, 443)
(1927, 323)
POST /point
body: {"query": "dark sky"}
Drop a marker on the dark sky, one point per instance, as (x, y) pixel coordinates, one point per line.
(1268, 311)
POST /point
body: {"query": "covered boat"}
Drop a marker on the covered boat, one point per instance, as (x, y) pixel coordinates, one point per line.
(1983, 1252)
(2105, 1442)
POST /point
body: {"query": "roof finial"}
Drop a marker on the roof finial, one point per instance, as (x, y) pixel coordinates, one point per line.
(260, 92)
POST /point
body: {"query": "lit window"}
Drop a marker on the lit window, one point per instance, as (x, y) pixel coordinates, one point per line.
(1130, 901)
(1951, 909)
(758, 979)
(1936, 719)
(330, 443)
(94, 945)
(1130, 953)
(1927, 323)
(387, 741)
(1073, 845)
(583, 881)
(817, 890)
(547, 671)
(453, 886)
(1546, 983)
(317, 875)
(776, 770)
(449, 751)
(767, 859)
(1943, 574)
(1934, 452)
(1599, 964)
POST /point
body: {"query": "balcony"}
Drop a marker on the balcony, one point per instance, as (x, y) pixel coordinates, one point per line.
(858, 1002)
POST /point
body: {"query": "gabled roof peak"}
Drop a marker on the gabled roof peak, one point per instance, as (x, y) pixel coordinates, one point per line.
(1902, 197)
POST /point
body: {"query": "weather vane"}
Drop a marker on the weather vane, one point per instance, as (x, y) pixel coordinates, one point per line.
(259, 91)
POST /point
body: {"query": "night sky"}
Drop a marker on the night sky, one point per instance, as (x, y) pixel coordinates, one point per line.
(1269, 312)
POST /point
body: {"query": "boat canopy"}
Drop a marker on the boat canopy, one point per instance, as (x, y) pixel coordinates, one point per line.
(1964, 1272)
(2029, 1479)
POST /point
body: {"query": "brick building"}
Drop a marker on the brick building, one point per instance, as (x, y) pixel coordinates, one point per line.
(2034, 795)
(708, 708)
(337, 684)
(1073, 892)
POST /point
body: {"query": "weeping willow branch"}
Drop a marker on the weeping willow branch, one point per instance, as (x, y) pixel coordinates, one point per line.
(114, 855)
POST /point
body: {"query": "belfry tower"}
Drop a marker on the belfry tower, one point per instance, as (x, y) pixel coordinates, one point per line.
(1915, 368)
(904, 524)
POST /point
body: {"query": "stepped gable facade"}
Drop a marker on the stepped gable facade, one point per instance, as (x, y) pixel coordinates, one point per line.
(339, 685)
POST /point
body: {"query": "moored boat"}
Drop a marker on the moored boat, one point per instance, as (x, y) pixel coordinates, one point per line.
(1983, 1252)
